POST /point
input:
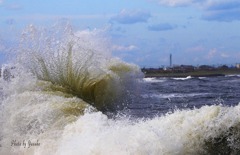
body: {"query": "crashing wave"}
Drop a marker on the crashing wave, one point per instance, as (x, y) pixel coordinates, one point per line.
(79, 65)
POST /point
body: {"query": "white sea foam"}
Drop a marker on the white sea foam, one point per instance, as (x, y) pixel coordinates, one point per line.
(182, 132)
(186, 78)
(154, 80)
(202, 78)
(233, 75)
(173, 95)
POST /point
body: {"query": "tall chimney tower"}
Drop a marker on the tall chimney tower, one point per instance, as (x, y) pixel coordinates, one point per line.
(170, 60)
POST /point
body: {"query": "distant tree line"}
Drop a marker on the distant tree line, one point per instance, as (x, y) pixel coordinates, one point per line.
(188, 68)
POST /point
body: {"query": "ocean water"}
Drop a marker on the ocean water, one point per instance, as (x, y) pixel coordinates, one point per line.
(168, 94)
(68, 95)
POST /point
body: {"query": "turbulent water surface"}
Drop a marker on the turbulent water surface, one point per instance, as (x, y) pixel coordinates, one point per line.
(66, 94)
(168, 94)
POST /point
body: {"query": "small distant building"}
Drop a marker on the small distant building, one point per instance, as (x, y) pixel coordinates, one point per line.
(238, 66)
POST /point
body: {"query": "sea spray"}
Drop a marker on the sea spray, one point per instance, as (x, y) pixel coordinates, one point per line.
(57, 76)
(79, 64)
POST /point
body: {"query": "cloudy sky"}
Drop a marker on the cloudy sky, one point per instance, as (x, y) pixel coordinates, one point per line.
(144, 32)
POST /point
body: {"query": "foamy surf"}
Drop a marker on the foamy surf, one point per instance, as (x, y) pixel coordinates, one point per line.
(173, 95)
(154, 80)
(199, 131)
(208, 130)
(60, 91)
(186, 78)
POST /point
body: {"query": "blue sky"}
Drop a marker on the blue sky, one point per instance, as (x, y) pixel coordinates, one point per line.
(143, 32)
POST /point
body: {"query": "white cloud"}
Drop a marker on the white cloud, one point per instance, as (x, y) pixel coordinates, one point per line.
(238, 55)
(161, 27)
(200, 3)
(216, 53)
(55, 17)
(123, 48)
(131, 17)
(224, 55)
(222, 10)
(213, 10)
(211, 53)
(14, 6)
(176, 2)
(198, 48)
(1, 47)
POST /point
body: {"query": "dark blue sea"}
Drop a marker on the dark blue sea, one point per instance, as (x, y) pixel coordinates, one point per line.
(162, 95)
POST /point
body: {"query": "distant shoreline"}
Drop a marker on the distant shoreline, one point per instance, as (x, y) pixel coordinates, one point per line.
(198, 73)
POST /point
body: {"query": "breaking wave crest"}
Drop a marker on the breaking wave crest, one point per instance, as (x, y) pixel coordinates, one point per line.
(79, 64)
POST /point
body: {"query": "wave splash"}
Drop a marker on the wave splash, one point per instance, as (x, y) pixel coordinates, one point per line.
(80, 64)
(60, 87)
(58, 75)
